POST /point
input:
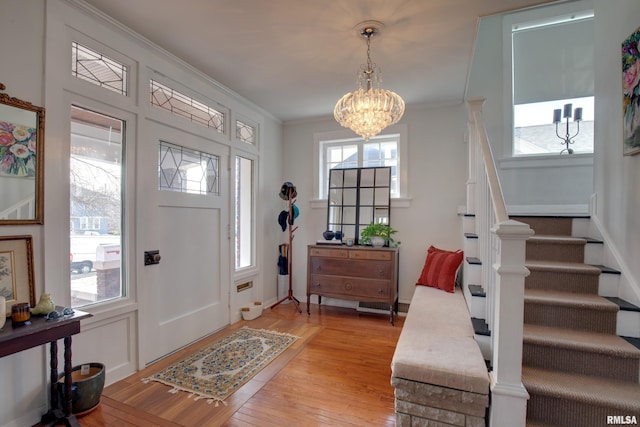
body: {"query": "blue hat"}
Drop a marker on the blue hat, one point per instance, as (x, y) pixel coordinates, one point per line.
(296, 213)
(282, 219)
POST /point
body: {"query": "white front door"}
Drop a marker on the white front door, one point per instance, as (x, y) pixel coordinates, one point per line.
(183, 195)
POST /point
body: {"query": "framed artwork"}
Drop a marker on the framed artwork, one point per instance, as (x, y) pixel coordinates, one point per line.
(21, 161)
(16, 270)
(631, 94)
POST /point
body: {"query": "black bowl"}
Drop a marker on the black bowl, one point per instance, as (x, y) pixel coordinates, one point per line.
(328, 235)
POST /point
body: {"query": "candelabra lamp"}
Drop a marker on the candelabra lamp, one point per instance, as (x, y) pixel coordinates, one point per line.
(567, 139)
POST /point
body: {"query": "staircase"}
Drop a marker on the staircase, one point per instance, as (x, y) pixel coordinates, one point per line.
(575, 360)
(577, 370)
(581, 356)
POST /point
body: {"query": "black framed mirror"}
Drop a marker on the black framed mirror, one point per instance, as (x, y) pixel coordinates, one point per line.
(21, 161)
(357, 197)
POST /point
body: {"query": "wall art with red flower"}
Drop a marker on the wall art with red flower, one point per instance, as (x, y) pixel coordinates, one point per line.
(17, 150)
(631, 94)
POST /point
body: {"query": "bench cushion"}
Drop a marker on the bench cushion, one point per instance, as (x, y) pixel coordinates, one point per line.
(437, 345)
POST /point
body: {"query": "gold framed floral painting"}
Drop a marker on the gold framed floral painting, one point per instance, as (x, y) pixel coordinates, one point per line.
(21, 161)
(631, 94)
(16, 270)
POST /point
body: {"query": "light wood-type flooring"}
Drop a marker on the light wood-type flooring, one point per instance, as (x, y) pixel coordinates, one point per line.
(337, 374)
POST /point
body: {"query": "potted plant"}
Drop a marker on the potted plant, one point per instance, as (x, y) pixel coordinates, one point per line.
(378, 235)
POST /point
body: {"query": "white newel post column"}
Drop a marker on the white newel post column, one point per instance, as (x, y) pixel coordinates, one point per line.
(508, 395)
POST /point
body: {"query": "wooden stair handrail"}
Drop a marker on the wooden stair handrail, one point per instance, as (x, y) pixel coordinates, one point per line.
(497, 199)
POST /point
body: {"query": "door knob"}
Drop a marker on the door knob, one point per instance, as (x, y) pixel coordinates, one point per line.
(152, 257)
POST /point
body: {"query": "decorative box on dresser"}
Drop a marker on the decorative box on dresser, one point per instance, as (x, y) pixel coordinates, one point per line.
(356, 273)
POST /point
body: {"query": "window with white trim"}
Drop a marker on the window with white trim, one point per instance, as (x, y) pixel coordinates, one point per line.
(179, 104)
(245, 132)
(94, 67)
(381, 150)
(245, 213)
(552, 66)
(96, 182)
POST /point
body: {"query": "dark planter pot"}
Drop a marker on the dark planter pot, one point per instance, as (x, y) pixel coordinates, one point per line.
(328, 235)
(85, 389)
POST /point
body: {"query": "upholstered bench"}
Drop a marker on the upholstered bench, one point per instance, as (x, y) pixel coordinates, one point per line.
(438, 372)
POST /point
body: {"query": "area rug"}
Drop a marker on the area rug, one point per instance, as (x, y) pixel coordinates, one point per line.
(218, 370)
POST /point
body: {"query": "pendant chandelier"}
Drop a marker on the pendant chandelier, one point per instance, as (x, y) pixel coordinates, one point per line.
(369, 109)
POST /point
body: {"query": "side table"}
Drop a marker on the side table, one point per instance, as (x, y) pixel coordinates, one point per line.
(40, 331)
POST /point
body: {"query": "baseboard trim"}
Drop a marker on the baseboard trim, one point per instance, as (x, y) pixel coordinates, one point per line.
(580, 210)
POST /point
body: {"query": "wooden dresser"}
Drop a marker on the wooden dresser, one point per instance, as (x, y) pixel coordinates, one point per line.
(357, 273)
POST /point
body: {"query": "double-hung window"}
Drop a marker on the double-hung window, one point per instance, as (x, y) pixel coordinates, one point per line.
(381, 150)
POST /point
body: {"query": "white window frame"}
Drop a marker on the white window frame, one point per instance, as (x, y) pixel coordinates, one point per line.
(254, 185)
(128, 294)
(249, 151)
(321, 182)
(528, 17)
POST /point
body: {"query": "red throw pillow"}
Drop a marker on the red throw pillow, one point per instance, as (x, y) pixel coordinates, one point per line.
(440, 269)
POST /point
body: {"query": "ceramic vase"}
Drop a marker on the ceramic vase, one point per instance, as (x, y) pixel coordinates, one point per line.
(377, 241)
(328, 235)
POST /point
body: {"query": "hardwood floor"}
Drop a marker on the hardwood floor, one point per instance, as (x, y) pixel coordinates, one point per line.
(337, 374)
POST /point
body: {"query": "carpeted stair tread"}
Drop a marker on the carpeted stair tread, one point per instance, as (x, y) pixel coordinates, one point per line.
(593, 342)
(547, 225)
(562, 267)
(572, 310)
(568, 299)
(557, 240)
(555, 248)
(574, 277)
(622, 396)
(580, 351)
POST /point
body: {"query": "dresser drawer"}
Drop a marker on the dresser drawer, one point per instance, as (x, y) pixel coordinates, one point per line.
(351, 287)
(329, 252)
(369, 269)
(374, 255)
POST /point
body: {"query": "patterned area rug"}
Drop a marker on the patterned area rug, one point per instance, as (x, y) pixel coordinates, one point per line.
(218, 370)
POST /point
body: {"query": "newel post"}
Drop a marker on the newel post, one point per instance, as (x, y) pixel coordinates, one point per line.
(508, 395)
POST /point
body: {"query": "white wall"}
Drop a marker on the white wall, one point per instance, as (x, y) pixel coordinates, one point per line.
(617, 178)
(110, 336)
(272, 174)
(23, 396)
(551, 184)
(437, 175)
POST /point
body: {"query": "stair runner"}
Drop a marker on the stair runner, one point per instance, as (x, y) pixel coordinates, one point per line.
(577, 371)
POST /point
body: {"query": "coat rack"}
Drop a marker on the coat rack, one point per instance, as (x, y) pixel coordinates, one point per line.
(290, 194)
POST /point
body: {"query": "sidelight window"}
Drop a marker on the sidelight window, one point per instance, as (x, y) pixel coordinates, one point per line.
(96, 207)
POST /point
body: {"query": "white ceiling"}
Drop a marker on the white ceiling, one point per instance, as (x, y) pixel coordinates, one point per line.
(296, 58)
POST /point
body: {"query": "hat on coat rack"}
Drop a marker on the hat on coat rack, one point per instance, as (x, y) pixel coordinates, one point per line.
(284, 191)
(295, 213)
(282, 219)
